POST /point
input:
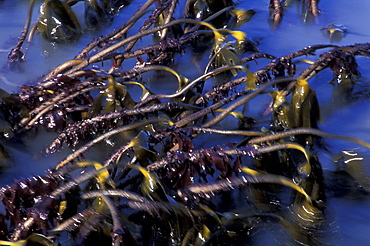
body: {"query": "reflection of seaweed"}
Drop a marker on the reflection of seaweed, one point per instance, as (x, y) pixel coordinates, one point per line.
(161, 185)
(309, 10)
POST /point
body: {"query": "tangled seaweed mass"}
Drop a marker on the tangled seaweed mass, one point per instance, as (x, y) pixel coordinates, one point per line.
(160, 185)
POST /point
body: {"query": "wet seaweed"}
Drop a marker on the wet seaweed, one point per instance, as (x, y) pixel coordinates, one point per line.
(178, 164)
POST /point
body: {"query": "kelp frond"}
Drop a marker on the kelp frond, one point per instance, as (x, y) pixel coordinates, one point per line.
(159, 167)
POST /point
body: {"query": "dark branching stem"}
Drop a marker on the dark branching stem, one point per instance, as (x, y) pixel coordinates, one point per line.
(117, 154)
(87, 146)
(313, 7)
(244, 100)
(96, 120)
(319, 65)
(208, 110)
(116, 192)
(148, 23)
(61, 98)
(278, 12)
(119, 32)
(81, 61)
(223, 87)
(78, 180)
(226, 132)
(97, 57)
(16, 55)
(189, 85)
(233, 183)
(138, 202)
(117, 225)
(258, 56)
(324, 60)
(149, 49)
(310, 50)
(169, 17)
(303, 131)
(197, 154)
(24, 227)
(65, 225)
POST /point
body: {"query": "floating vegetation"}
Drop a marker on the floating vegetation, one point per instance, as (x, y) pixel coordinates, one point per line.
(335, 31)
(158, 185)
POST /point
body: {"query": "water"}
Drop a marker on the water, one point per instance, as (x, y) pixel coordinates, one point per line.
(348, 213)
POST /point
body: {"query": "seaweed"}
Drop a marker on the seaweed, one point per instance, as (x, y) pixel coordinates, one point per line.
(179, 163)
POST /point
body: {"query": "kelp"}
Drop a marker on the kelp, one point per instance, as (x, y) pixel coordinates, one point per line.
(176, 165)
(34, 239)
(16, 56)
(57, 22)
(277, 12)
(335, 31)
(310, 10)
(98, 13)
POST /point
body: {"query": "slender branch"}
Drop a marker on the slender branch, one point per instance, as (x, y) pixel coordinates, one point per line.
(99, 55)
(15, 56)
(258, 56)
(207, 110)
(103, 55)
(149, 49)
(300, 131)
(47, 106)
(98, 120)
(244, 100)
(115, 192)
(62, 67)
(233, 183)
(312, 5)
(71, 221)
(322, 62)
(117, 225)
(87, 146)
(148, 23)
(310, 50)
(119, 32)
(225, 132)
(278, 12)
(117, 155)
(189, 85)
(24, 227)
(169, 17)
(243, 151)
(139, 202)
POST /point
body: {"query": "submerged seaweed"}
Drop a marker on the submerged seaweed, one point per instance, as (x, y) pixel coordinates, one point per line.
(161, 185)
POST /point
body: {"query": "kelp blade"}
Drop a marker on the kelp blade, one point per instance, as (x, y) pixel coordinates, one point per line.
(98, 13)
(58, 22)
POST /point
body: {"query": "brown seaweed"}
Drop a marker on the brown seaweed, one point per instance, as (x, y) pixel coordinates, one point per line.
(174, 172)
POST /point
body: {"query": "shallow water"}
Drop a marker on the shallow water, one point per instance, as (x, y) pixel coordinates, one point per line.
(348, 214)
